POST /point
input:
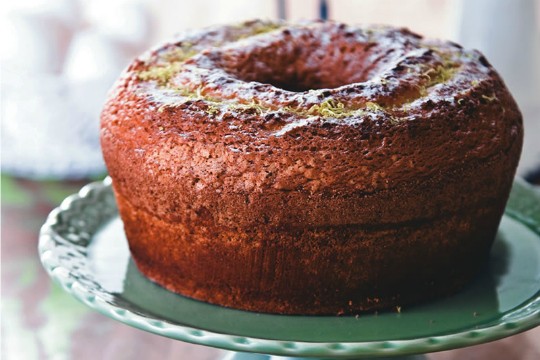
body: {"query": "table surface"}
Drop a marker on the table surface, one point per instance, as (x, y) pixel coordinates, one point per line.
(40, 321)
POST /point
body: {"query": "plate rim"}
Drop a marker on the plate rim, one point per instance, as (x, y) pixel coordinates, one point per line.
(519, 319)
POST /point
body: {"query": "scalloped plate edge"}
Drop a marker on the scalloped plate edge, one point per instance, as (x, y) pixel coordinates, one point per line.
(520, 319)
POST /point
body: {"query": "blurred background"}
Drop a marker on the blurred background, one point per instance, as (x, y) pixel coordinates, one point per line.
(59, 58)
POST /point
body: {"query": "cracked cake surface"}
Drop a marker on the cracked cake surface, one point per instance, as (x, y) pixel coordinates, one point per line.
(310, 168)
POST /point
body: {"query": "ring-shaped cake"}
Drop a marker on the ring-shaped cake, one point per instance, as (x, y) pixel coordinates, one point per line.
(310, 168)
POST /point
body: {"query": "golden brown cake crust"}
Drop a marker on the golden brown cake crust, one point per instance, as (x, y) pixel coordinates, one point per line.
(239, 186)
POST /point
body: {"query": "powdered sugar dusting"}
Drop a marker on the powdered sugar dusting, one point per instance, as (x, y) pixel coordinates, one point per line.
(235, 67)
(293, 125)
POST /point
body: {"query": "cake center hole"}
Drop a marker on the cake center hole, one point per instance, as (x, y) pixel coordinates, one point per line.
(304, 65)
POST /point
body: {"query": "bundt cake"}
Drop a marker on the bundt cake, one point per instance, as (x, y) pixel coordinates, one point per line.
(310, 168)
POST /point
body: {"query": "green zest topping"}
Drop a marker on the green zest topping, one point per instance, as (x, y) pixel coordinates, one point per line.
(439, 74)
(328, 108)
(181, 53)
(374, 106)
(253, 106)
(174, 58)
(161, 74)
(491, 98)
(256, 28)
(212, 110)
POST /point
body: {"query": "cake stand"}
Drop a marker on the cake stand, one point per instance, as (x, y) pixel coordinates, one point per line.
(82, 246)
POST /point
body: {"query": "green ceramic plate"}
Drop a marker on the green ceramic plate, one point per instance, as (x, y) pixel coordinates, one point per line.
(83, 247)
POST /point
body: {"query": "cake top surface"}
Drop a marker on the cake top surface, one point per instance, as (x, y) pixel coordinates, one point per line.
(312, 105)
(311, 71)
